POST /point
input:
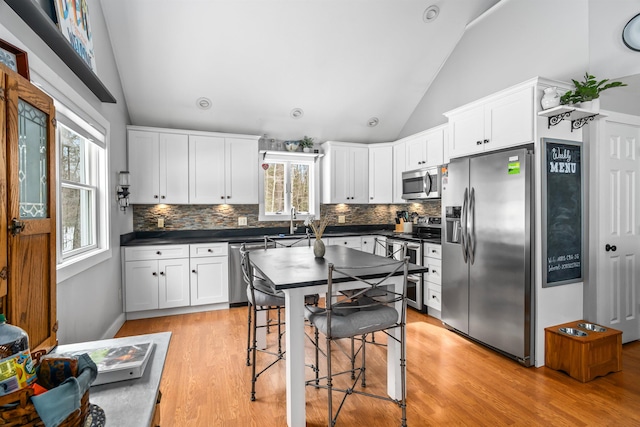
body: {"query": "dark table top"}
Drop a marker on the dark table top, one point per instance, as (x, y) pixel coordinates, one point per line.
(296, 267)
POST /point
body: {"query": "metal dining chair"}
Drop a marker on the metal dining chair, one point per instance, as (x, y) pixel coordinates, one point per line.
(261, 298)
(359, 315)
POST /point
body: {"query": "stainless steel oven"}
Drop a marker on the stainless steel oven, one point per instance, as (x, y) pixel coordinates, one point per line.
(415, 281)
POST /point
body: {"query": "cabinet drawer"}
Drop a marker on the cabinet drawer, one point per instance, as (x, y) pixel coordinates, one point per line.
(208, 249)
(434, 298)
(350, 242)
(434, 275)
(141, 253)
(433, 250)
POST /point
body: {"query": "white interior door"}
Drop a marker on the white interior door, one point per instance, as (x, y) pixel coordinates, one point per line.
(618, 247)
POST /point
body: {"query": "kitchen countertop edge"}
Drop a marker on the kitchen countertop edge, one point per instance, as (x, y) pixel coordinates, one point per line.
(177, 237)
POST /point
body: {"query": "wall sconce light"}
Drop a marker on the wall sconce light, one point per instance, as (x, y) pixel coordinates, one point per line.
(122, 190)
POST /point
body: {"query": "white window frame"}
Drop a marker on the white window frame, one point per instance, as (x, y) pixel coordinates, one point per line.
(76, 261)
(314, 185)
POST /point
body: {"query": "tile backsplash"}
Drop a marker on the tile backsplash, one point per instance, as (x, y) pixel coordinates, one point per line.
(211, 217)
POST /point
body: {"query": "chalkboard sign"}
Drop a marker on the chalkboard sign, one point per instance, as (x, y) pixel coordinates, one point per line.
(562, 204)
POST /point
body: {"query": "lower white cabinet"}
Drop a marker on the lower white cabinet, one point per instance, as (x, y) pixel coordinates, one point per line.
(353, 242)
(172, 276)
(157, 282)
(433, 278)
(209, 273)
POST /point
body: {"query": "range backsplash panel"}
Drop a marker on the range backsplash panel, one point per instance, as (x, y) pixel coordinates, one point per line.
(212, 217)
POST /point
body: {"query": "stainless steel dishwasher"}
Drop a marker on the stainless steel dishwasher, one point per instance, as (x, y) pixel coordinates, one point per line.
(237, 285)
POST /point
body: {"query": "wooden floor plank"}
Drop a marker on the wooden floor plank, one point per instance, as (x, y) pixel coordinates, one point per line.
(450, 381)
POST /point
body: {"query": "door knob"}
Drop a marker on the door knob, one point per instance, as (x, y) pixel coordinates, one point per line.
(609, 247)
(16, 226)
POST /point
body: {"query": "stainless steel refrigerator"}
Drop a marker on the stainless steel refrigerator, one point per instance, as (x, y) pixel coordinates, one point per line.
(487, 279)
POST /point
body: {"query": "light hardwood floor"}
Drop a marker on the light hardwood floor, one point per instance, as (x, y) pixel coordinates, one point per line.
(451, 381)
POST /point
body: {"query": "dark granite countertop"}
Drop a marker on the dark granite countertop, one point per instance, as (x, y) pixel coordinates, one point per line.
(178, 237)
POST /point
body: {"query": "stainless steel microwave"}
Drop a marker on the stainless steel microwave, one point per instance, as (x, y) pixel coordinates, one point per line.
(422, 184)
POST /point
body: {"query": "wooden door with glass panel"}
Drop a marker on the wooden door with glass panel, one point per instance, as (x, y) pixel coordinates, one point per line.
(30, 210)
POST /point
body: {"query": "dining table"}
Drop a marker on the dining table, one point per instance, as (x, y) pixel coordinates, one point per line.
(297, 272)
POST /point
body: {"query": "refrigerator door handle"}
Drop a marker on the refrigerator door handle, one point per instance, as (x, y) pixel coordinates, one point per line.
(472, 225)
(463, 243)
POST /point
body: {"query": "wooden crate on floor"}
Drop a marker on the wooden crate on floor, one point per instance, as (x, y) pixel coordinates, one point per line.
(583, 357)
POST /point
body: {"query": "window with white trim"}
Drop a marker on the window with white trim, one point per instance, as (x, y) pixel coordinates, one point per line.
(82, 188)
(288, 182)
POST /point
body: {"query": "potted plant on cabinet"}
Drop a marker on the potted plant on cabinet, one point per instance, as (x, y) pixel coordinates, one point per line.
(306, 143)
(587, 92)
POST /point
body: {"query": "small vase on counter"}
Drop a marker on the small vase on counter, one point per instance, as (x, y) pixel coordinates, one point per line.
(318, 248)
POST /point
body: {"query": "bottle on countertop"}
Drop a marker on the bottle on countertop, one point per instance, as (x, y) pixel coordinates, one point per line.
(17, 370)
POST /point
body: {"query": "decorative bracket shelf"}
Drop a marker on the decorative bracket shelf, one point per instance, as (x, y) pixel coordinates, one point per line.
(293, 155)
(578, 116)
(33, 15)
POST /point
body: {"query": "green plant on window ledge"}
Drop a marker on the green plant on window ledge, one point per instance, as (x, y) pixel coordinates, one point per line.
(587, 90)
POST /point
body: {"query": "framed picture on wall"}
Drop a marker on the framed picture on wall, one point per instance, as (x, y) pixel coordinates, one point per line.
(14, 58)
(74, 22)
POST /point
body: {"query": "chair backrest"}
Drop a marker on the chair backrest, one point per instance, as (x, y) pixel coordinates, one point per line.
(374, 291)
(381, 248)
(247, 270)
(275, 242)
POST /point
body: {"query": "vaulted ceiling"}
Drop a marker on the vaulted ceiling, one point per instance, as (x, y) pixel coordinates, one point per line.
(341, 62)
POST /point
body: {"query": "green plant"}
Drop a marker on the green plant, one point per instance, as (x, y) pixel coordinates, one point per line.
(587, 90)
(306, 142)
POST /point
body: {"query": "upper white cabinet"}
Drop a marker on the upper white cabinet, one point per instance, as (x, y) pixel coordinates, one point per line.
(380, 173)
(345, 173)
(177, 167)
(399, 166)
(223, 170)
(158, 164)
(425, 149)
(502, 120)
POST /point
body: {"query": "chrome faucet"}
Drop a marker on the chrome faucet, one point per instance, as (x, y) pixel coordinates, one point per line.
(292, 227)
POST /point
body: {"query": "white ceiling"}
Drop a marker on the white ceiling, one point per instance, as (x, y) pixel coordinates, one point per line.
(341, 61)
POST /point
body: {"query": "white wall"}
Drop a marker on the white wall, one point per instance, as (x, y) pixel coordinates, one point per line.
(89, 305)
(513, 42)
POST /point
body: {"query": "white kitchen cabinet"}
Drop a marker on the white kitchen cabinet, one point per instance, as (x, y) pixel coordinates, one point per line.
(223, 170)
(425, 149)
(502, 120)
(158, 165)
(432, 259)
(353, 242)
(399, 166)
(156, 277)
(345, 173)
(368, 244)
(209, 273)
(381, 173)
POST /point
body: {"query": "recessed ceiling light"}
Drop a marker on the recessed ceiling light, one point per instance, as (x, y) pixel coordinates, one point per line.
(373, 121)
(296, 113)
(203, 103)
(431, 13)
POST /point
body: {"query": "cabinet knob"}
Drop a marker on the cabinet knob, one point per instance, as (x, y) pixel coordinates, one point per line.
(433, 296)
(193, 271)
(155, 196)
(371, 197)
(486, 141)
(162, 273)
(209, 250)
(158, 253)
(162, 197)
(433, 251)
(433, 271)
(154, 273)
(478, 142)
(222, 197)
(228, 197)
